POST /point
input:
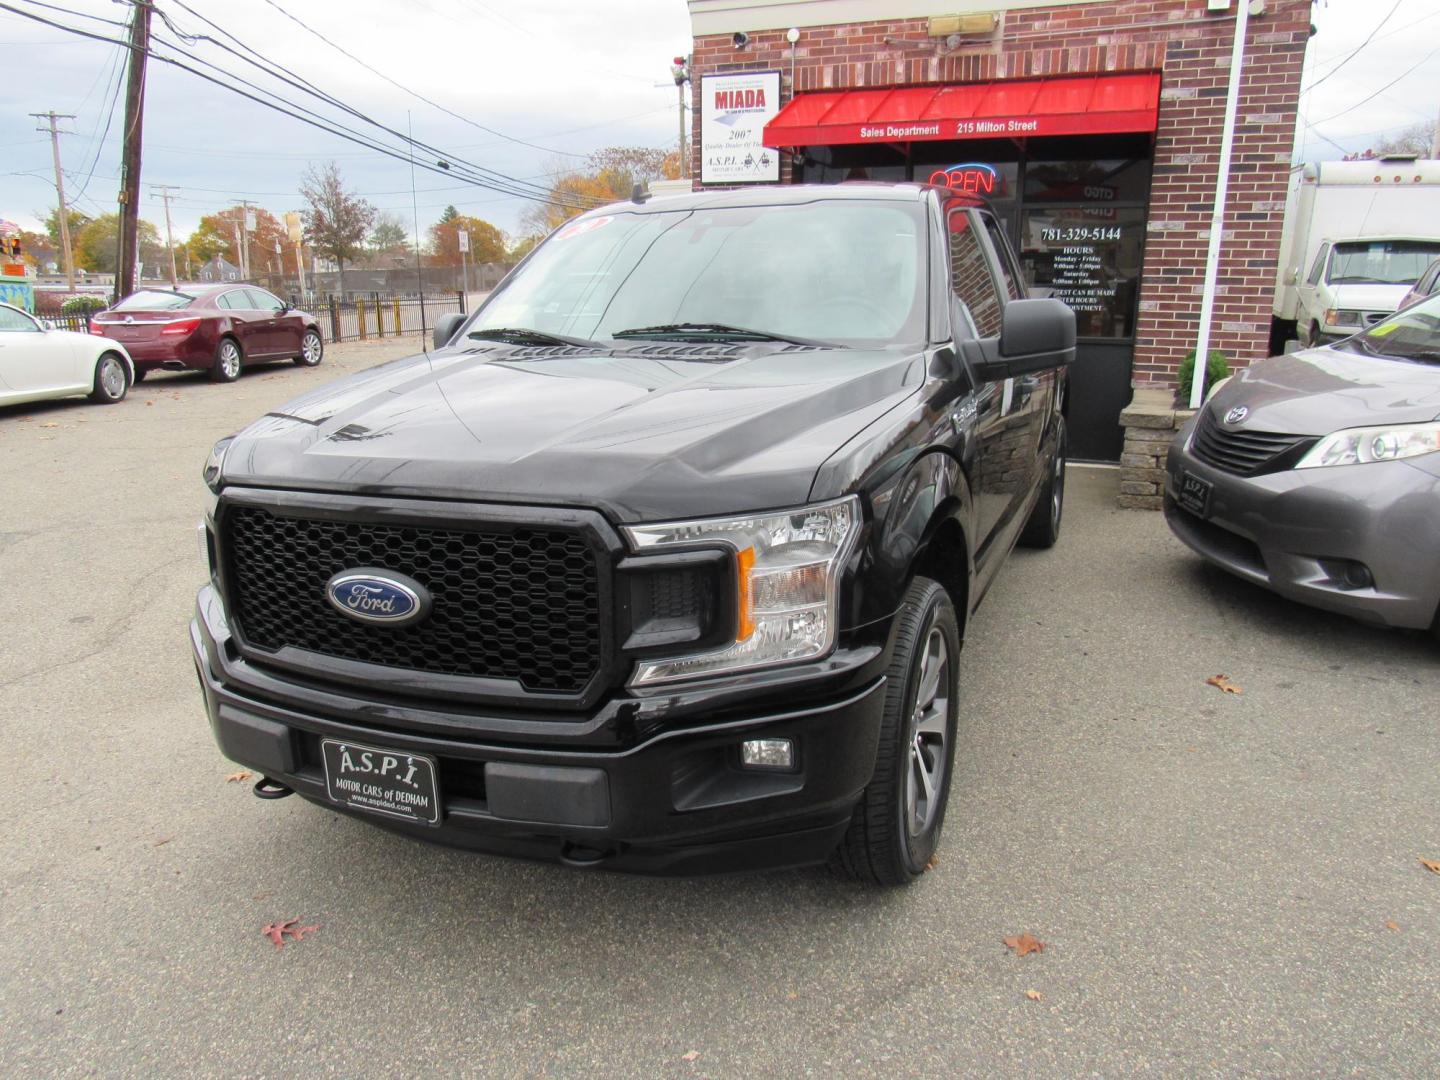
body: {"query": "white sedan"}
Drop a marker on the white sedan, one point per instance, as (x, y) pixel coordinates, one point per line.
(38, 362)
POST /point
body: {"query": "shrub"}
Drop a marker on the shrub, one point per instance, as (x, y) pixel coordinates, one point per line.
(83, 304)
(1215, 369)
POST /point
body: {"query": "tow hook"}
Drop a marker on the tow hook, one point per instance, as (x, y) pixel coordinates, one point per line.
(265, 788)
(580, 856)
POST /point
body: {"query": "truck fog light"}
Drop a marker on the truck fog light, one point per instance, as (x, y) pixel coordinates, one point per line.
(767, 754)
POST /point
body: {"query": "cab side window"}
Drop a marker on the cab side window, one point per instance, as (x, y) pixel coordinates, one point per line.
(1319, 268)
(1014, 290)
(970, 275)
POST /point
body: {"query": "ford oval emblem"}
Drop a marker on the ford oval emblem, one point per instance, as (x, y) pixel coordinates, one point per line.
(383, 597)
(1235, 415)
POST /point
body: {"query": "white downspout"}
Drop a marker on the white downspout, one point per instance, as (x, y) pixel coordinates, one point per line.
(1217, 215)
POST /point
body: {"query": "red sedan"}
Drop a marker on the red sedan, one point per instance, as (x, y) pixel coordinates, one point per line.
(214, 328)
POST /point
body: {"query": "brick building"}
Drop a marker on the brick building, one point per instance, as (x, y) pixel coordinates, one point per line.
(1093, 129)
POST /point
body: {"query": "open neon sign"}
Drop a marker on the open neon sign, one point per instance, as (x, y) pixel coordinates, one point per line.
(973, 178)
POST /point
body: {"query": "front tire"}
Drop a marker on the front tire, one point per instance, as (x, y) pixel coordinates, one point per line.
(112, 380)
(1043, 528)
(229, 361)
(312, 349)
(895, 828)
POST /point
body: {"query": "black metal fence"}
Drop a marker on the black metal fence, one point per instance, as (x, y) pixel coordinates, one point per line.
(361, 319)
(79, 323)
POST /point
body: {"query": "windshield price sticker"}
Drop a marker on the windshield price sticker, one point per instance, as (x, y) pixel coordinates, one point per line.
(580, 228)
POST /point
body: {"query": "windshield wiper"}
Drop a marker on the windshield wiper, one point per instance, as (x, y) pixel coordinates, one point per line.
(519, 335)
(715, 330)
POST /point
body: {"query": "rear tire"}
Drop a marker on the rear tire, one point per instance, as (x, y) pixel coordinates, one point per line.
(229, 361)
(1043, 528)
(895, 828)
(312, 349)
(112, 380)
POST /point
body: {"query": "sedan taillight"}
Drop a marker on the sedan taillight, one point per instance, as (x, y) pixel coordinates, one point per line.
(97, 329)
(180, 327)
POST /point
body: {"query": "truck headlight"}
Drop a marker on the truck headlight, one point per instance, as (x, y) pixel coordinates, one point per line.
(1357, 446)
(787, 574)
(1342, 317)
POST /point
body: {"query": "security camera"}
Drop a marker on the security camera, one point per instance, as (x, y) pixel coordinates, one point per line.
(741, 39)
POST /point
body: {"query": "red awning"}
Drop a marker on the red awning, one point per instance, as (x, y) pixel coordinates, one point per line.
(1081, 105)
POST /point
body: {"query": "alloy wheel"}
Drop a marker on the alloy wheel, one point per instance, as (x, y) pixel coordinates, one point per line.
(310, 348)
(112, 377)
(925, 776)
(230, 359)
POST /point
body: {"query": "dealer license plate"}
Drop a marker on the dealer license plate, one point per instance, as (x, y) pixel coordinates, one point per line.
(1194, 494)
(388, 782)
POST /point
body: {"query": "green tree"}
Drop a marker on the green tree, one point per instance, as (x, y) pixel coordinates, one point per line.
(336, 220)
(449, 214)
(95, 245)
(78, 219)
(389, 237)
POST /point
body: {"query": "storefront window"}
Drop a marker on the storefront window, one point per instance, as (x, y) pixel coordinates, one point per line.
(1089, 256)
(1093, 182)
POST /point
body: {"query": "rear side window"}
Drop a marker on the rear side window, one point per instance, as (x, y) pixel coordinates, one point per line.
(970, 275)
(153, 300)
(236, 300)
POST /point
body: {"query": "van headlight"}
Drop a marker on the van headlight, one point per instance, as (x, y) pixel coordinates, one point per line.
(1342, 317)
(1359, 446)
(787, 578)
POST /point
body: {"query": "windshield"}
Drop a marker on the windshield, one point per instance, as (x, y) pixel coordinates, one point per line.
(1381, 262)
(846, 272)
(1412, 334)
(153, 300)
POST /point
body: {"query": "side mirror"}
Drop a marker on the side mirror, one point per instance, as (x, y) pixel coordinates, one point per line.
(1035, 335)
(445, 328)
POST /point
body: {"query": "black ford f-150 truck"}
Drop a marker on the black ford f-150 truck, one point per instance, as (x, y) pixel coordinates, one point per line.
(663, 558)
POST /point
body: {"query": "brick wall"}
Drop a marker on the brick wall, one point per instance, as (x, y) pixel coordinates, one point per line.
(1192, 50)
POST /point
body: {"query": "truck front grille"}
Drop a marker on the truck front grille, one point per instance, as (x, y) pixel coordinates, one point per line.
(516, 603)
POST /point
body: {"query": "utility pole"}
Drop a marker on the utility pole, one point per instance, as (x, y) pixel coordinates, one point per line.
(53, 118)
(165, 192)
(680, 72)
(128, 246)
(245, 205)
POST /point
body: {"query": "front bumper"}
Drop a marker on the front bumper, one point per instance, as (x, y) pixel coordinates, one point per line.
(671, 801)
(1299, 532)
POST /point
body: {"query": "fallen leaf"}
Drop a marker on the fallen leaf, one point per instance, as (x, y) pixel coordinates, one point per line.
(26, 419)
(162, 841)
(1431, 865)
(1034, 995)
(239, 777)
(262, 896)
(1024, 944)
(151, 402)
(792, 996)
(1392, 925)
(931, 863)
(1222, 682)
(276, 931)
(50, 425)
(691, 1056)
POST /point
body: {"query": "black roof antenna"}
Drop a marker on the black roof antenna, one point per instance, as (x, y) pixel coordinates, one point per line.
(639, 193)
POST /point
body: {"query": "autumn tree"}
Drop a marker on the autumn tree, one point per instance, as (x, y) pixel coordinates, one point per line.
(336, 220)
(77, 220)
(608, 175)
(487, 243)
(216, 235)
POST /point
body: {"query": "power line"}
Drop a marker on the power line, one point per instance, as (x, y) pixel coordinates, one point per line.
(338, 131)
(1377, 93)
(299, 82)
(1357, 50)
(415, 94)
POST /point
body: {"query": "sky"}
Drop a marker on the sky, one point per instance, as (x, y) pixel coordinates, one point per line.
(568, 77)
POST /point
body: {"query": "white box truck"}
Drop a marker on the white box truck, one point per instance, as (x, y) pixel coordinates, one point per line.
(1357, 235)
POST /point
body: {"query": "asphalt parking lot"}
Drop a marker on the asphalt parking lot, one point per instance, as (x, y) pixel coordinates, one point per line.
(1225, 884)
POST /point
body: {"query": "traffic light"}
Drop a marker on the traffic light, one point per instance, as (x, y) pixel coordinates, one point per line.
(680, 70)
(13, 247)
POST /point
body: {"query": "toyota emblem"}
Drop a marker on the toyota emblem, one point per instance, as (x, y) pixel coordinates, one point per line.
(1235, 415)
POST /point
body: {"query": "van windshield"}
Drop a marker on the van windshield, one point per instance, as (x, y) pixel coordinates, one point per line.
(846, 272)
(1381, 262)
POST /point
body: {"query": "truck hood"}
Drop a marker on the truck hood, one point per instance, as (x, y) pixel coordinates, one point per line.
(1317, 391)
(647, 432)
(1368, 297)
